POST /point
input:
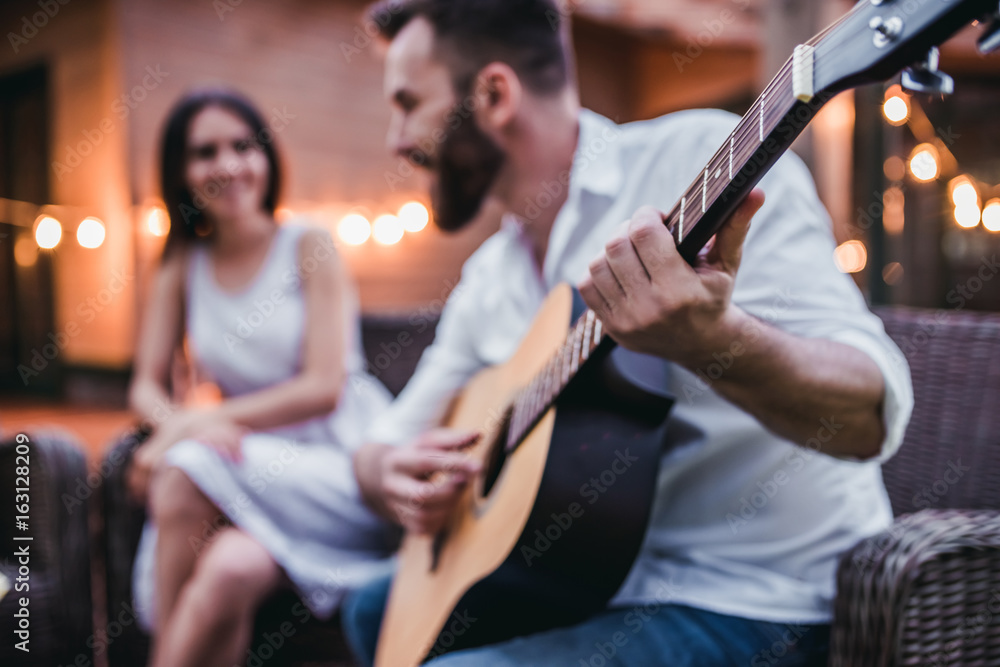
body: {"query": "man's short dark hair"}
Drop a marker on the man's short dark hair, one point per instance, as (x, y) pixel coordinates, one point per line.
(470, 34)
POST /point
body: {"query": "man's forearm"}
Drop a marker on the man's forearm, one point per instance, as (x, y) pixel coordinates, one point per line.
(804, 389)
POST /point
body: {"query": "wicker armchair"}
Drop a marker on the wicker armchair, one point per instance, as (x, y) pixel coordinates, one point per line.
(285, 634)
(59, 600)
(927, 591)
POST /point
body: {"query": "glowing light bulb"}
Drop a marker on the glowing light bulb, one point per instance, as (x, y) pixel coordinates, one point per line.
(387, 229)
(991, 215)
(963, 192)
(90, 233)
(924, 163)
(850, 256)
(967, 216)
(157, 221)
(414, 216)
(354, 229)
(896, 110)
(48, 232)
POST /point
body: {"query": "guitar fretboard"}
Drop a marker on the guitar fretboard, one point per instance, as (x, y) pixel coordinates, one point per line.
(774, 120)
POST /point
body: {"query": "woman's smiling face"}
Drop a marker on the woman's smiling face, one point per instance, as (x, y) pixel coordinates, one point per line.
(226, 169)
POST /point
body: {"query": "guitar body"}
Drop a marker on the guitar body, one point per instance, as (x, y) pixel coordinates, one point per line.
(552, 540)
(547, 534)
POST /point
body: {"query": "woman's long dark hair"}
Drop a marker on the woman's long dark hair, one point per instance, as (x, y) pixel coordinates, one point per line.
(186, 217)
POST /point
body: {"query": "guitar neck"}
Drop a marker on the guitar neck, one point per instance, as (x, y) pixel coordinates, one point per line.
(766, 131)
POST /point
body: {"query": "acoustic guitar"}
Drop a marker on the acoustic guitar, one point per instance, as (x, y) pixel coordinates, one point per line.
(574, 426)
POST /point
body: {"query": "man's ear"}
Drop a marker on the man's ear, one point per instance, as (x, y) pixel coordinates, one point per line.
(498, 93)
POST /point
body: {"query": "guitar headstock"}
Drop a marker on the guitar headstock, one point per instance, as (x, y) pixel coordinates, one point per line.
(877, 38)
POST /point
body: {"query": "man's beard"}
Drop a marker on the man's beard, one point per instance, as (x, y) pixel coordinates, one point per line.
(467, 165)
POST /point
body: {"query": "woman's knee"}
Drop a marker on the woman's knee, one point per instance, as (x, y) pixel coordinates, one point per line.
(174, 497)
(236, 570)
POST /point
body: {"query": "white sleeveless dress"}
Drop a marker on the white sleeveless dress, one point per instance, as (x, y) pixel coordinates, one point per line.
(294, 491)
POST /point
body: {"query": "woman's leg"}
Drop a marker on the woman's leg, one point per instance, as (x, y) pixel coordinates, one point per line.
(185, 520)
(212, 622)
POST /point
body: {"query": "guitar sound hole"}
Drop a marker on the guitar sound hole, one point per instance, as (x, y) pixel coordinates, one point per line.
(497, 455)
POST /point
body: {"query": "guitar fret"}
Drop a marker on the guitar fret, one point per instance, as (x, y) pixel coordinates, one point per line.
(598, 327)
(762, 115)
(574, 363)
(732, 140)
(588, 330)
(680, 223)
(704, 190)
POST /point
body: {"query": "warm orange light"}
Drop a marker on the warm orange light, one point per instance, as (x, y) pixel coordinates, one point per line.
(894, 168)
(354, 229)
(924, 163)
(892, 273)
(25, 252)
(850, 256)
(90, 233)
(283, 213)
(896, 110)
(414, 216)
(157, 221)
(387, 229)
(967, 216)
(893, 203)
(991, 215)
(963, 192)
(48, 232)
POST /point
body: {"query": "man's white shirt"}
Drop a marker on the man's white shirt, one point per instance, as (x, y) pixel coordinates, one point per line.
(744, 523)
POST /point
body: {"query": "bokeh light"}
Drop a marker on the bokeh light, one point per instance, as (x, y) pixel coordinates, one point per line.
(157, 221)
(414, 216)
(991, 215)
(354, 229)
(48, 232)
(387, 229)
(90, 233)
(924, 163)
(896, 110)
(963, 192)
(850, 256)
(967, 215)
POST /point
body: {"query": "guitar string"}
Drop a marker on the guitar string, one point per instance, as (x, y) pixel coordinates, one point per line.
(541, 388)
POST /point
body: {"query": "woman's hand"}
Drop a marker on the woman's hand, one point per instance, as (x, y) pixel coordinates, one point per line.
(206, 426)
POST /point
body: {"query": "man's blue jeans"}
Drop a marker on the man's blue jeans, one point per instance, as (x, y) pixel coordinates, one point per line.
(643, 636)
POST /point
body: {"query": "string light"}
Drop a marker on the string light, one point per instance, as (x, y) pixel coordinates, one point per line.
(924, 163)
(991, 215)
(387, 229)
(850, 256)
(967, 216)
(963, 191)
(48, 232)
(354, 229)
(90, 233)
(896, 107)
(414, 216)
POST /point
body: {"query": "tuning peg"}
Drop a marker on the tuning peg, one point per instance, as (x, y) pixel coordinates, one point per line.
(989, 41)
(925, 78)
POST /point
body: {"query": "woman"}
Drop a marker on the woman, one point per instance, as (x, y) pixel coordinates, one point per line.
(256, 492)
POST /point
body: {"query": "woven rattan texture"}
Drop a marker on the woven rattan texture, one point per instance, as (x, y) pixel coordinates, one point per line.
(927, 591)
